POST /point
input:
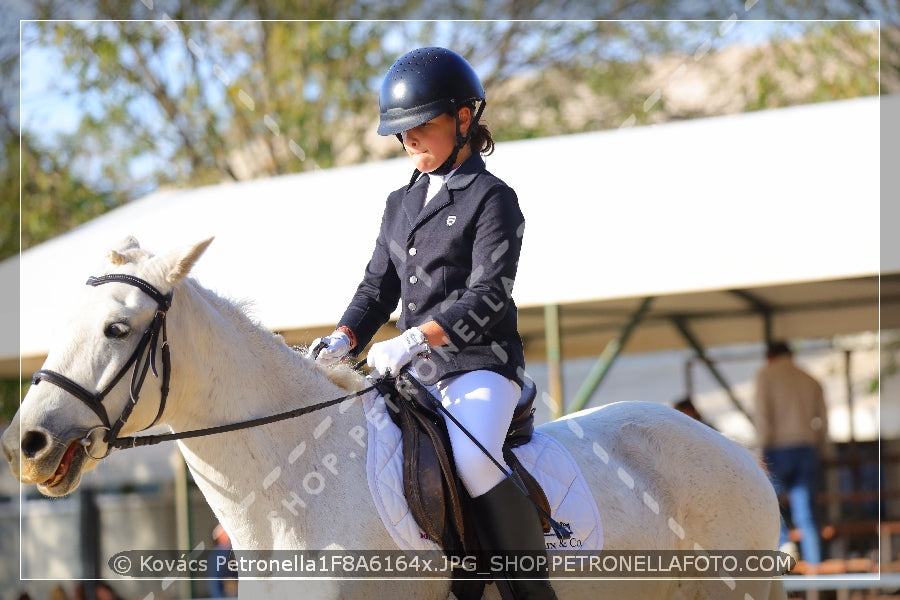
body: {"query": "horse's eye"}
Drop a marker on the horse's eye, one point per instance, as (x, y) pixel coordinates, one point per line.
(116, 330)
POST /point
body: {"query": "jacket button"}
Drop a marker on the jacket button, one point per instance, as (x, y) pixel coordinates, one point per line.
(411, 306)
(413, 279)
(412, 251)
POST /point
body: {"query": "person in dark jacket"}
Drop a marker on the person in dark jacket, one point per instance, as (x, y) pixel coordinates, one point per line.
(447, 251)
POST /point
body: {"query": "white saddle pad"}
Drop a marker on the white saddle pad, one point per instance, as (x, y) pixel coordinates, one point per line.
(571, 501)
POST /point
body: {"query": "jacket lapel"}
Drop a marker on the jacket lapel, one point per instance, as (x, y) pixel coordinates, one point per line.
(414, 198)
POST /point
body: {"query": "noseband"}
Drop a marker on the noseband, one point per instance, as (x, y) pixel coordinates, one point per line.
(143, 358)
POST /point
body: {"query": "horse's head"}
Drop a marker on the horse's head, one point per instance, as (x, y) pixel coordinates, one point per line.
(89, 378)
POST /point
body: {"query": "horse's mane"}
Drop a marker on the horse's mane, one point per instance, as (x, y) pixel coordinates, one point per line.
(241, 312)
(342, 374)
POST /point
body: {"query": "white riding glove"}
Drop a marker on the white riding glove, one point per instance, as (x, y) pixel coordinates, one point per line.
(392, 355)
(329, 349)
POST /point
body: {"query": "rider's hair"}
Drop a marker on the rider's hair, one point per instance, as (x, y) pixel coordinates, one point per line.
(480, 139)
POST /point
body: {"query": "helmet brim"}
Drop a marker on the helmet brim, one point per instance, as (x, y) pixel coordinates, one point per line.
(398, 120)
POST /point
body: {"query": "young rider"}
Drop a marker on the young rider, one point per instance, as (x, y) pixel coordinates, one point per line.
(447, 250)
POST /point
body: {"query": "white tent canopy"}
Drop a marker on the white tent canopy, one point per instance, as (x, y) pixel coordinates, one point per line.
(770, 198)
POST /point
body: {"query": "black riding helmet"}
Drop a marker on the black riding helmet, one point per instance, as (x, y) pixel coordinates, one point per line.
(426, 83)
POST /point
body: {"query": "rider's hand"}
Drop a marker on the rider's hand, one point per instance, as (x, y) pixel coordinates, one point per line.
(392, 355)
(329, 349)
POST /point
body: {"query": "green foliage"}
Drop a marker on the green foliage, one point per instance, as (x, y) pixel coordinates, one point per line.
(44, 183)
(9, 201)
(11, 390)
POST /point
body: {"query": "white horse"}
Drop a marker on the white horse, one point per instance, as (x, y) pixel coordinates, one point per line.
(301, 483)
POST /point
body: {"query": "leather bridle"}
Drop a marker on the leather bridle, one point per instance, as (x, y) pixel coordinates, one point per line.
(142, 359)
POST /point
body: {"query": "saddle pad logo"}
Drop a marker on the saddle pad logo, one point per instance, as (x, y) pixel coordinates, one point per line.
(451, 220)
(552, 542)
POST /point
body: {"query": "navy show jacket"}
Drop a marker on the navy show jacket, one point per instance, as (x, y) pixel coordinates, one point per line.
(454, 262)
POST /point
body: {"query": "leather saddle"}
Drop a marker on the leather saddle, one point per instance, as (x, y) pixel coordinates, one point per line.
(435, 494)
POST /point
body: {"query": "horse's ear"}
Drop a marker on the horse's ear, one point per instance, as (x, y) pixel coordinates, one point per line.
(179, 263)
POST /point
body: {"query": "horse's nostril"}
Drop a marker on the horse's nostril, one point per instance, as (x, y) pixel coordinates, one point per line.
(33, 442)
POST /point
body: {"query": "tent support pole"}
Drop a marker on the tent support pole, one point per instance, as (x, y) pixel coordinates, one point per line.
(694, 343)
(764, 309)
(605, 361)
(554, 359)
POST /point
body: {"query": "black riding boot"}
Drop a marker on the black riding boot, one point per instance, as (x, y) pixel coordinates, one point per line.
(508, 524)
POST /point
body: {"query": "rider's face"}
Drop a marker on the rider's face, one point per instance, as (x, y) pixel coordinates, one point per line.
(430, 144)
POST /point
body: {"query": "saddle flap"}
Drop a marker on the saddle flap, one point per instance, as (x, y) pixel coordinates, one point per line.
(434, 492)
(423, 481)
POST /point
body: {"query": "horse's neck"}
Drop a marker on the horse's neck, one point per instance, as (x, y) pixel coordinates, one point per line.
(227, 369)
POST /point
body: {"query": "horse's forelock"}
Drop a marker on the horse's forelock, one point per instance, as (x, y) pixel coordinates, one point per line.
(131, 255)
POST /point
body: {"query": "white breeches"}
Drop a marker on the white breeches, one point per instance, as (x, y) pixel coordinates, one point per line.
(483, 402)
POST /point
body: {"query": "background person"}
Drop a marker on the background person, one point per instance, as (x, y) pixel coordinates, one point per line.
(792, 428)
(686, 405)
(225, 583)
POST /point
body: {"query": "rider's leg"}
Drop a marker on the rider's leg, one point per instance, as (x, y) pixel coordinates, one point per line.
(507, 521)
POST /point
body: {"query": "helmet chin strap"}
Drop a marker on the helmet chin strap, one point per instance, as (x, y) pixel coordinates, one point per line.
(451, 160)
(448, 164)
(461, 140)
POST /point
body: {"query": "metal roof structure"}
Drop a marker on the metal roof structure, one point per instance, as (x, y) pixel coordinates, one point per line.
(710, 231)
